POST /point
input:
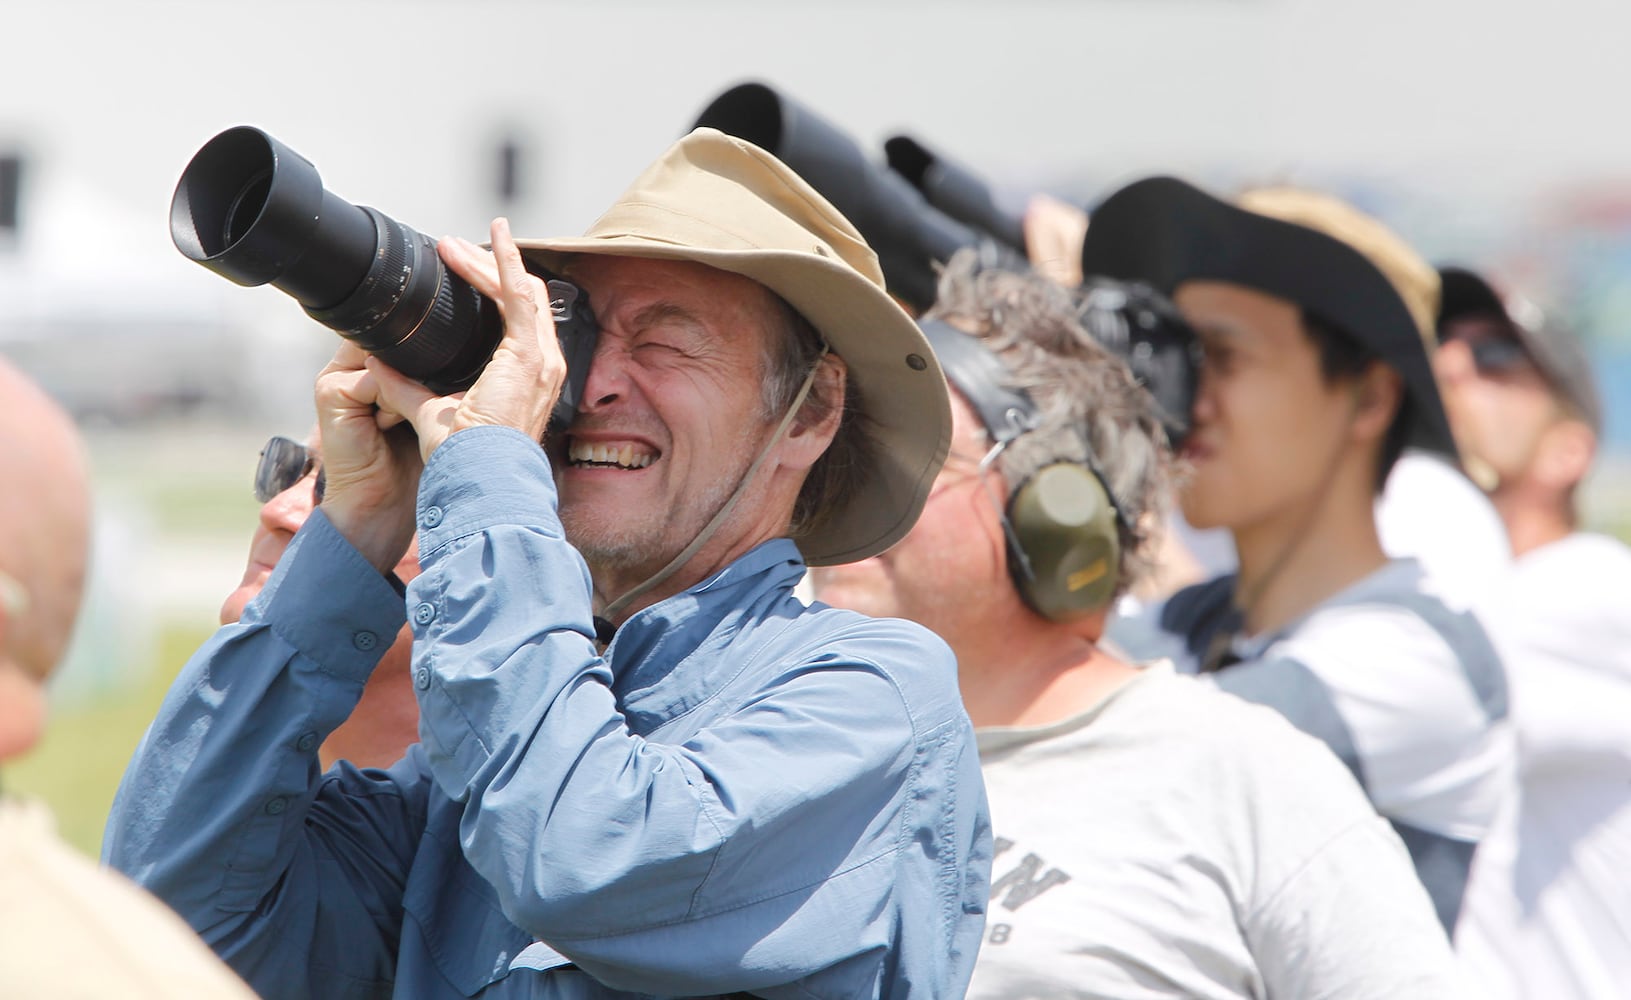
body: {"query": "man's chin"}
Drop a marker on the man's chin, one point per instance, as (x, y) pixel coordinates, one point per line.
(1201, 508)
(616, 561)
(232, 608)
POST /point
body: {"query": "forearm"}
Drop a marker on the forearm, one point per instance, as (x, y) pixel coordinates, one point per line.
(213, 813)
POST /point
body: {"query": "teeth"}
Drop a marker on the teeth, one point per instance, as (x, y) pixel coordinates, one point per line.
(595, 453)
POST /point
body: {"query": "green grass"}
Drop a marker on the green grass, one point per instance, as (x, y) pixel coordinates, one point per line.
(190, 508)
(77, 767)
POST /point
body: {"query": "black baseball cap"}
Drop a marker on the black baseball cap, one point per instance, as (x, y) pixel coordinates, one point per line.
(1301, 246)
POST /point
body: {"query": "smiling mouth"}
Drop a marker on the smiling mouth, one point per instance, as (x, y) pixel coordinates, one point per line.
(609, 455)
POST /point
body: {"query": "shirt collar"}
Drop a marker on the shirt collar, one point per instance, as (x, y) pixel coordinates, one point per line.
(654, 641)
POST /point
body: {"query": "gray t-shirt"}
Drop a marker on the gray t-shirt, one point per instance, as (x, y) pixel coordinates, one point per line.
(1175, 840)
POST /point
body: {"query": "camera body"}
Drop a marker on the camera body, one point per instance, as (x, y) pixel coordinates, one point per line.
(254, 211)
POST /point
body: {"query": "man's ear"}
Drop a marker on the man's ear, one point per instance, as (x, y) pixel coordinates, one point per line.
(1378, 392)
(817, 421)
(1566, 452)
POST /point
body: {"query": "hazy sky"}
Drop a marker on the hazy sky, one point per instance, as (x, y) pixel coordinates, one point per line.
(1473, 115)
(398, 102)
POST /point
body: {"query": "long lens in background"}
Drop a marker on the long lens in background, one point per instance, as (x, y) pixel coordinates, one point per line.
(909, 236)
(253, 210)
(955, 190)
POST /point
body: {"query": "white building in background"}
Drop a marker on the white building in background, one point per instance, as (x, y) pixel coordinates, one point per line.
(125, 337)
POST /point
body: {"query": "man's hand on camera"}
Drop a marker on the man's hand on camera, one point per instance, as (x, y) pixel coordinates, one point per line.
(371, 462)
(372, 415)
(521, 382)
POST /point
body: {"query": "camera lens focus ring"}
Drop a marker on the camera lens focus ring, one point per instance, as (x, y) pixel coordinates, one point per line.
(375, 314)
(415, 314)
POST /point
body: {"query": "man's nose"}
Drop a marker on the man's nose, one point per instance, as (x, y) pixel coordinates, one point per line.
(1204, 406)
(288, 510)
(1452, 362)
(608, 375)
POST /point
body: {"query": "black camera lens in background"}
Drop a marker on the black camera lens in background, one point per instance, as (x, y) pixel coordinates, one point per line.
(254, 211)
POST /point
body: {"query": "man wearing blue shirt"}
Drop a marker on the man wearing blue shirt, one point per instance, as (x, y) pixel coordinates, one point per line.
(645, 768)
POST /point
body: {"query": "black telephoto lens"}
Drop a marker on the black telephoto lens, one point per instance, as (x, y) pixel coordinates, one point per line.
(254, 211)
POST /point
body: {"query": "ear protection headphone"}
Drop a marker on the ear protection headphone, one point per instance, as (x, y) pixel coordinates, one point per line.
(1062, 524)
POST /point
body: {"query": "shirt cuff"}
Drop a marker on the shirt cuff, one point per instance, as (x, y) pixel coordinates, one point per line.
(481, 478)
(329, 602)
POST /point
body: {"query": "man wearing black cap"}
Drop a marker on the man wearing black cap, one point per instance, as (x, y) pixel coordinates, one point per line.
(1549, 905)
(1312, 317)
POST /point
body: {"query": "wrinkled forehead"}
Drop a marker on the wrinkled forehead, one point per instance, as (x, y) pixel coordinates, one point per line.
(628, 293)
(684, 281)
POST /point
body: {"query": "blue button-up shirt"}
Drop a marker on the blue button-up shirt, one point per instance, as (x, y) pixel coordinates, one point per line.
(742, 794)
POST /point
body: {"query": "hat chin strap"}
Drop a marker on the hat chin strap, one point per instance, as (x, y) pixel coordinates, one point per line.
(611, 610)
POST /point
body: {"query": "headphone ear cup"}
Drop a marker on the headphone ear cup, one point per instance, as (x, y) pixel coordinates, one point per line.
(1065, 528)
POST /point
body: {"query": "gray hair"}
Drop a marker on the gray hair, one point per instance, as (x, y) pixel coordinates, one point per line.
(795, 348)
(1090, 407)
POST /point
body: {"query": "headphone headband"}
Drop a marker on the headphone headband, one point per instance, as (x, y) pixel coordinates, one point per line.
(978, 374)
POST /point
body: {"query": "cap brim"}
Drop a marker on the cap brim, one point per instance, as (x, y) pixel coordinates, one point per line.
(894, 371)
(1560, 357)
(1464, 293)
(1166, 232)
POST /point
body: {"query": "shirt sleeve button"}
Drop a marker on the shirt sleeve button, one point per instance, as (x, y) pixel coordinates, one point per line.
(432, 517)
(424, 613)
(275, 807)
(305, 743)
(421, 677)
(364, 641)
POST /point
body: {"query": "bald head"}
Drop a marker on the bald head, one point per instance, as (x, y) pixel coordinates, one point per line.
(44, 522)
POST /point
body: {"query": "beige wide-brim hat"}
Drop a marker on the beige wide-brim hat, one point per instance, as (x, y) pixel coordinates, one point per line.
(724, 202)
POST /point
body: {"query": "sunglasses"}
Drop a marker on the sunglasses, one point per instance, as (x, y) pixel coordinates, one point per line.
(284, 462)
(1498, 356)
(1493, 351)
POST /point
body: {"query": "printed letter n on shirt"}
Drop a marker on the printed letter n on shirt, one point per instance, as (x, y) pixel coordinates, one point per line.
(1021, 882)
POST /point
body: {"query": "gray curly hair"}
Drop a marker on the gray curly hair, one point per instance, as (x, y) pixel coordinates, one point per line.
(1088, 401)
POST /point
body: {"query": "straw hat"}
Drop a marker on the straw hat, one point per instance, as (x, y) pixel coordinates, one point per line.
(721, 201)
